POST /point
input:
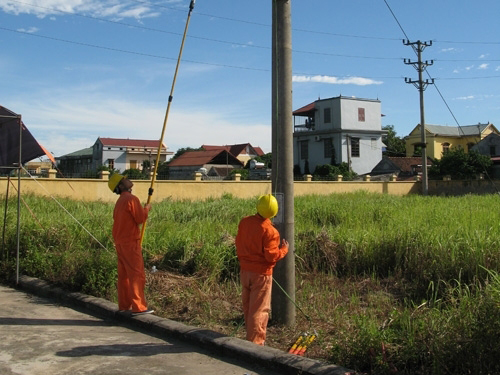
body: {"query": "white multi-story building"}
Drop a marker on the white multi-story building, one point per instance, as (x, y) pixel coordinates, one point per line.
(337, 130)
(122, 154)
(115, 153)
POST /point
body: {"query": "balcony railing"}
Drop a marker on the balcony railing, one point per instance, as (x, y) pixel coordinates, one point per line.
(303, 128)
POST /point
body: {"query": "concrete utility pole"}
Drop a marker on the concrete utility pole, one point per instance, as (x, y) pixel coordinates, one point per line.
(421, 85)
(283, 301)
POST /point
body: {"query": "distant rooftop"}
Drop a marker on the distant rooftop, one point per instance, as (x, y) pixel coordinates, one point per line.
(127, 142)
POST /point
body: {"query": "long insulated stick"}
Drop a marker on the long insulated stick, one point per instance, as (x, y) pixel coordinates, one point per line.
(153, 179)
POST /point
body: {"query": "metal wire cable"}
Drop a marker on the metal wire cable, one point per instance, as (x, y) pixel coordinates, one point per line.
(65, 210)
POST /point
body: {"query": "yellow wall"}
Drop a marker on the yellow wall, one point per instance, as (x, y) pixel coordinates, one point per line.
(97, 190)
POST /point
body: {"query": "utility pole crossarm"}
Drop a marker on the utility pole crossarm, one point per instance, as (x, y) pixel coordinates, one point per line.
(421, 85)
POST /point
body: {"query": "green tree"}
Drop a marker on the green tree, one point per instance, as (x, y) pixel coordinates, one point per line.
(163, 171)
(135, 174)
(244, 173)
(395, 146)
(460, 165)
(146, 166)
(330, 172)
(266, 159)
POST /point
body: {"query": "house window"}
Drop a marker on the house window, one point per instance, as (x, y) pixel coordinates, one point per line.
(355, 147)
(111, 163)
(469, 146)
(327, 114)
(327, 147)
(446, 147)
(133, 164)
(304, 150)
(493, 150)
(361, 114)
(109, 148)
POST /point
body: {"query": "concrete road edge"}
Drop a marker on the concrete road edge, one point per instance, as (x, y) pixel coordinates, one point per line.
(218, 343)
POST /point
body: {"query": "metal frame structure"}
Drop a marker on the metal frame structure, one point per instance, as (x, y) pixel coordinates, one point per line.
(18, 167)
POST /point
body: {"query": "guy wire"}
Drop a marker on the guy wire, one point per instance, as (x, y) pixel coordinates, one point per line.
(64, 208)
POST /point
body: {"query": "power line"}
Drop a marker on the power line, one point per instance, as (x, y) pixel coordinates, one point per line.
(211, 64)
(140, 27)
(416, 52)
(240, 21)
(463, 42)
(438, 91)
(129, 52)
(465, 78)
(194, 36)
(468, 60)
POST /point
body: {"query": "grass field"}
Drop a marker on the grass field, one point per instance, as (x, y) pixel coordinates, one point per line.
(405, 285)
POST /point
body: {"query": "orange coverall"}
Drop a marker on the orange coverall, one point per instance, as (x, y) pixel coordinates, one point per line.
(128, 215)
(258, 250)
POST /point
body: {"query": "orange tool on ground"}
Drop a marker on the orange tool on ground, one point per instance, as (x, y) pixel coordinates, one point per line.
(296, 344)
(302, 349)
(303, 342)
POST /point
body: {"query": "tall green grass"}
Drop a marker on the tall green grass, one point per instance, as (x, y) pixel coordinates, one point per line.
(420, 239)
(440, 255)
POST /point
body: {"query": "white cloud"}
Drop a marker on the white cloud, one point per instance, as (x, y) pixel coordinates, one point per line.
(497, 68)
(66, 125)
(242, 45)
(450, 49)
(359, 81)
(106, 8)
(29, 31)
(469, 67)
(61, 144)
(484, 55)
(469, 97)
(483, 66)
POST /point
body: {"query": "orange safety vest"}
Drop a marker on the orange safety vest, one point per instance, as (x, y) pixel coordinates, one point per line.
(128, 215)
(258, 245)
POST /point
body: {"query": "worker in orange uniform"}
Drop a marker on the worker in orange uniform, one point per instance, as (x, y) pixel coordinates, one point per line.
(127, 216)
(258, 248)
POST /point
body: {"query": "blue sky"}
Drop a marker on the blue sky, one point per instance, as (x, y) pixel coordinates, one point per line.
(79, 69)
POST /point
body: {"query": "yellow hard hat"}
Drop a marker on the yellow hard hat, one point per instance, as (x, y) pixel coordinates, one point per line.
(267, 206)
(114, 180)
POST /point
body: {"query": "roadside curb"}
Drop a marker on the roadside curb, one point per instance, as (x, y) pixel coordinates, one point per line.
(231, 347)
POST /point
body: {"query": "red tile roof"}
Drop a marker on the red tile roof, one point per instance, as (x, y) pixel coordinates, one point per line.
(405, 164)
(200, 158)
(235, 149)
(304, 110)
(215, 148)
(130, 142)
(259, 151)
